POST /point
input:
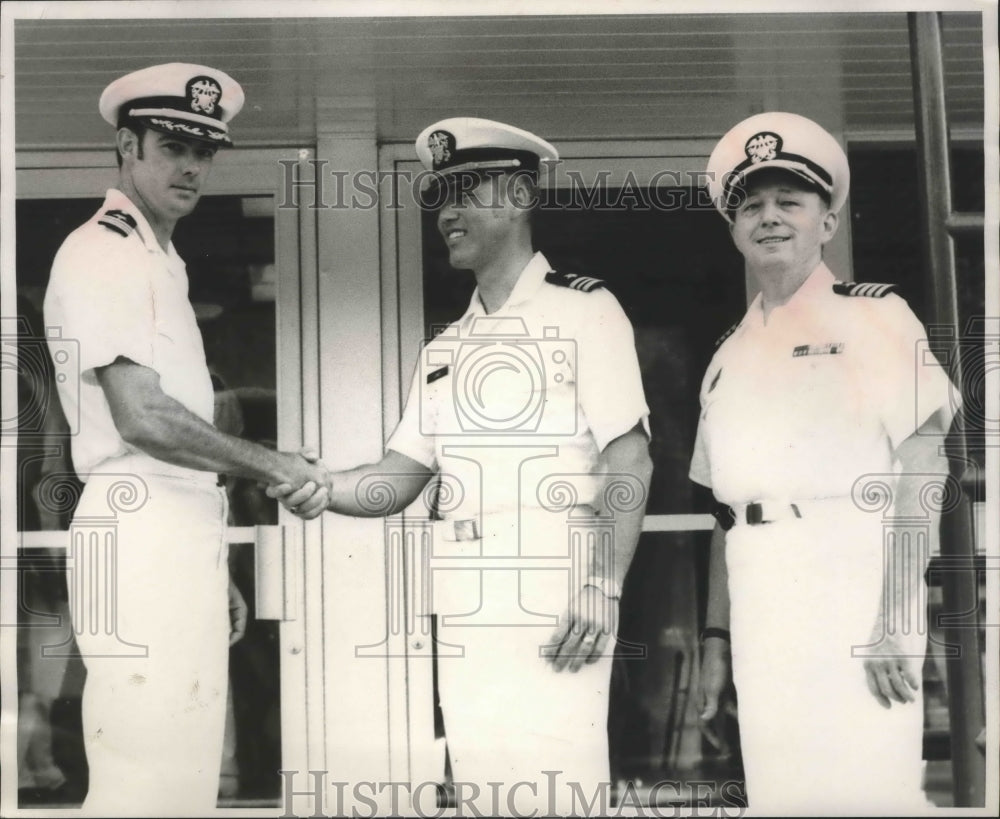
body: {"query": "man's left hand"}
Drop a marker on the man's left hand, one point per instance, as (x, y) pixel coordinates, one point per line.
(583, 631)
(237, 614)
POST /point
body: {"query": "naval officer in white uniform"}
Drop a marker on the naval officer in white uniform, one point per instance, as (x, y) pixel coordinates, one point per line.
(155, 695)
(529, 408)
(820, 394)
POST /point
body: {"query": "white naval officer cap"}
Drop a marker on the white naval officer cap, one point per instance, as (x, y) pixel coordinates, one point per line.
(183, 99)
(468, 144)
(776, 139)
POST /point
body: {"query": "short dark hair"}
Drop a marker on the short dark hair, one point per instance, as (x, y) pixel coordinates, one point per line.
(136, 127)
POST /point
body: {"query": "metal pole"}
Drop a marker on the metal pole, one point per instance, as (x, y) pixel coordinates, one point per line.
(959, 589)
(931, 123)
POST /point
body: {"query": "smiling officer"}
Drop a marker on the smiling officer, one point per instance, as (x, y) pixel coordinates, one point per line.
(526, 409)
(154, 699)
(816, 391)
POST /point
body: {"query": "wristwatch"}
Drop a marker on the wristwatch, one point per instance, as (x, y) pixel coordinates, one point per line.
(605, 585)
(712, 631)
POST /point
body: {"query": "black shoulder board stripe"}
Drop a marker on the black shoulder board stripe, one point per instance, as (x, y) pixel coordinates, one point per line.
(873, 290)
(573, 281)
(727, 334)
(119, 221)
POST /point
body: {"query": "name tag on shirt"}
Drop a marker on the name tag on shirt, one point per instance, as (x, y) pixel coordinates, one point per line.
(437, 374)
(833, 348)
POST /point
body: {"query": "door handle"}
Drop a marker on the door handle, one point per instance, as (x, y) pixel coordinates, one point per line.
(275, 564)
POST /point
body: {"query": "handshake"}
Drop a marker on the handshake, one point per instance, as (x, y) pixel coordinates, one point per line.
(302, 483)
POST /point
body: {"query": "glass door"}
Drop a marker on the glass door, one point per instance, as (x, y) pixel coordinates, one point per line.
(242, 259)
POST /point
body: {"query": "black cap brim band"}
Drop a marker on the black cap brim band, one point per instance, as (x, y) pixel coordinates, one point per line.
(168, 103)
(820, 172)
(734, 191)
(501, 158)
(815, 174)
(181, 128)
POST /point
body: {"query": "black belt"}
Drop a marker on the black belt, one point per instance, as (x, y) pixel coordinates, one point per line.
(754, 514)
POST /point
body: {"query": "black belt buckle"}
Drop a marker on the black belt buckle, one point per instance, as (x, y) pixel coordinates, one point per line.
(725, 516)
(755, 514)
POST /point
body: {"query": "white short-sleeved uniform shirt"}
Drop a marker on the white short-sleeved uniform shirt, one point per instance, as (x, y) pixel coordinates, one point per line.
(822, 394)
(512, 406)
(115, 292)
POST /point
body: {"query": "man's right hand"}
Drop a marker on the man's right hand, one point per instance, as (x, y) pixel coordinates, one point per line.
(302, 484)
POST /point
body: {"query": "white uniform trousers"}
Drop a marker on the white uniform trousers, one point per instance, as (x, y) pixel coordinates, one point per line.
(153, 724)
(814, 739)
(509, 717)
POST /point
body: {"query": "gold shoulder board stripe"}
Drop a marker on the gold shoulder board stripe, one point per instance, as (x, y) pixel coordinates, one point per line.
(585, 284)
(874, 290)
(119, 221)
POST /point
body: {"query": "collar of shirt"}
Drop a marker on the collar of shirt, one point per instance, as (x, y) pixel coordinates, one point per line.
(528, 284)
(816, 286)
(115, 199)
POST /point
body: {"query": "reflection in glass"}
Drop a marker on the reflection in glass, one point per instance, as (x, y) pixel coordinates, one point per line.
(655, 733)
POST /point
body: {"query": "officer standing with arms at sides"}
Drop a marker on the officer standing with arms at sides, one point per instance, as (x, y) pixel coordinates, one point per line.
(505, 442)
(155, 695)
(817, 398)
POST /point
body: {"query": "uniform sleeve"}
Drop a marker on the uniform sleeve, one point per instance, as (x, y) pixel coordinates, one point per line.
(911, 383)
(412, 436)
(609, 384)
(701, 466)
(100, 298)
(701, 470)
